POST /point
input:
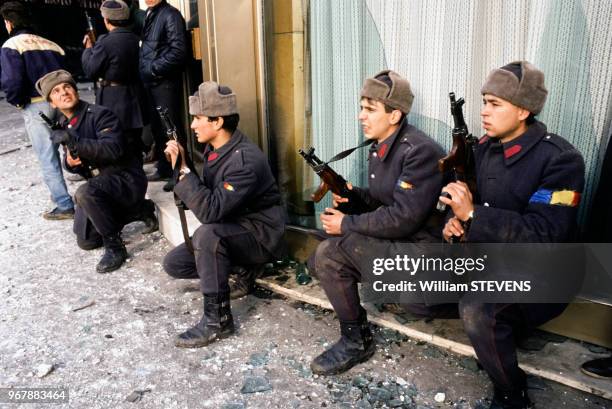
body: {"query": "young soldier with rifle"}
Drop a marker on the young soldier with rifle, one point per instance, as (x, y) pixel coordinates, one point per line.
(528, 186)
(113, 195)
(404, 184)
(237, 201)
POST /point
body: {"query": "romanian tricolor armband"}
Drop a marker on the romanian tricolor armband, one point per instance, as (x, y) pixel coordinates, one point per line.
(556, 197)
(402, 184)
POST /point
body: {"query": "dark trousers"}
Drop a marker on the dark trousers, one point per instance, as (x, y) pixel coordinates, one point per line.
(338, 277)
(166, 94)
(217, 247)
(104, 205)
(492, 330)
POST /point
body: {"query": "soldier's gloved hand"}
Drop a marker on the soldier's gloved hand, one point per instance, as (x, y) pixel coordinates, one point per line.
(62, 136)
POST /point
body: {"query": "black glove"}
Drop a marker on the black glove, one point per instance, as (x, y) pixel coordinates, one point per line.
(62, 136)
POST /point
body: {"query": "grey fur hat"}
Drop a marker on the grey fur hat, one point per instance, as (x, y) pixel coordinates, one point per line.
(48, 81)
(397, 96)
(523, 88)
(213, 100)
(115, 10)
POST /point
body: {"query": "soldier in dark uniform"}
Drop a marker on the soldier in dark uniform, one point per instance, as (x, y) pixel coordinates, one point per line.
(529, 183)
(116, 182)
(403, 189)
(113, 62)
(237, 201)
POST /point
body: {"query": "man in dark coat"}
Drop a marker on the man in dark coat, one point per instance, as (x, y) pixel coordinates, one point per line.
(404, 184)
(163, 56)
(529, 183)
(238, 202)
(96, 148)
(113, 63)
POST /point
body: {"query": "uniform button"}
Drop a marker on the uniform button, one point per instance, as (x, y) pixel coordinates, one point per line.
(237, 151)
(69, 126)
(374, 154)
(486, 204)
(372, 176)
(547, 136)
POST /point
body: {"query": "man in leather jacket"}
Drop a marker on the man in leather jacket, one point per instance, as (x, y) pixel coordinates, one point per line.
(162, 60)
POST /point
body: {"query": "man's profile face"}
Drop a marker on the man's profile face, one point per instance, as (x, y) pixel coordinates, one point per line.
(63, 96)
(152, 3)
(204, 129)
(375, 122)
(500, 118)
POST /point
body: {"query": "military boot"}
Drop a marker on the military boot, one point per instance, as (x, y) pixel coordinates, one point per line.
(216, 323)
(243, 280)
(356, 344)
(148, 217)
(516, 399)
(114, 254)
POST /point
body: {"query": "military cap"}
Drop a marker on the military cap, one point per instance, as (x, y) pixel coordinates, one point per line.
(520, 83)
(115, 10)
(48, 81)
(213, 100)
(396, 95)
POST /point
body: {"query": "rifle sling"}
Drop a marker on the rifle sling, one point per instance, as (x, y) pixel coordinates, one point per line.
(347, 152)
(181, 206)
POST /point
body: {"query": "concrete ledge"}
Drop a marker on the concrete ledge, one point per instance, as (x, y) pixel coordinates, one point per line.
(556, 362)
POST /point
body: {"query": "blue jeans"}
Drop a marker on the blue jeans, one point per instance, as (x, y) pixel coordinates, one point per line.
(47, 153)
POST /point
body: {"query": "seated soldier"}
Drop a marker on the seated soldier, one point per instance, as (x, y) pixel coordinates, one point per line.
(529, 183)
(237, 201)
(404, 184)
(116, 184)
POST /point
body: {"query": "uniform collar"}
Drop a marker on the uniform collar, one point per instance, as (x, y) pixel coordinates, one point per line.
(119, 30)
(214, 156)
(75, 120)
(518, 147)
(382, 149)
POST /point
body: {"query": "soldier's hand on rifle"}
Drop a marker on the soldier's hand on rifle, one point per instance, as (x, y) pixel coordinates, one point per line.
(337, 199)
(461, 200)
(87, 41)
(331, 220)
(72, 162)
(452, 228)
(61, 136)
(172, 151)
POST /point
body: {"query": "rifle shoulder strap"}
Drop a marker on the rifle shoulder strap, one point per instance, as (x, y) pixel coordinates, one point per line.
(347, 152)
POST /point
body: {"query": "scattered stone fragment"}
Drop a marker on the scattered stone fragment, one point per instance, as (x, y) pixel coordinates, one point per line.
(208, 355)
(43, 370)
(440, 397)
(259, 359)
(234, 405)
(82, 303)
(469, 363)
(254, 384)
(360, 382)
(433, 352)
(379, 395)
(401, 381)
(137, 395)
(301, 275)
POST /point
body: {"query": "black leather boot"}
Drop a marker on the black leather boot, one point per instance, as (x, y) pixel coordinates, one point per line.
(216, 323)
(114, 254)
(517, 399)
(355, 345)
(148, 217)
(243, 280)
(598, 368)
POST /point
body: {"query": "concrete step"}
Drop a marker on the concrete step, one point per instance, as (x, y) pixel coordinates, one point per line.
(557, 362)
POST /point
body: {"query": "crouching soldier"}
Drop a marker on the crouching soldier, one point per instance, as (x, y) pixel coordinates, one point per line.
(529, 183)
(116, 184)
(237, 201)
(403, 189)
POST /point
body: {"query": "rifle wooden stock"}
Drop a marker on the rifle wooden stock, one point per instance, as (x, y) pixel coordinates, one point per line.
(330, 180)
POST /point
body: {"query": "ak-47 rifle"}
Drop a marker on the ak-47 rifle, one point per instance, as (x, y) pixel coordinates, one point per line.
(91, 30)
(330, 180)
(461, 159)
(87, 172)
(180, 205)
